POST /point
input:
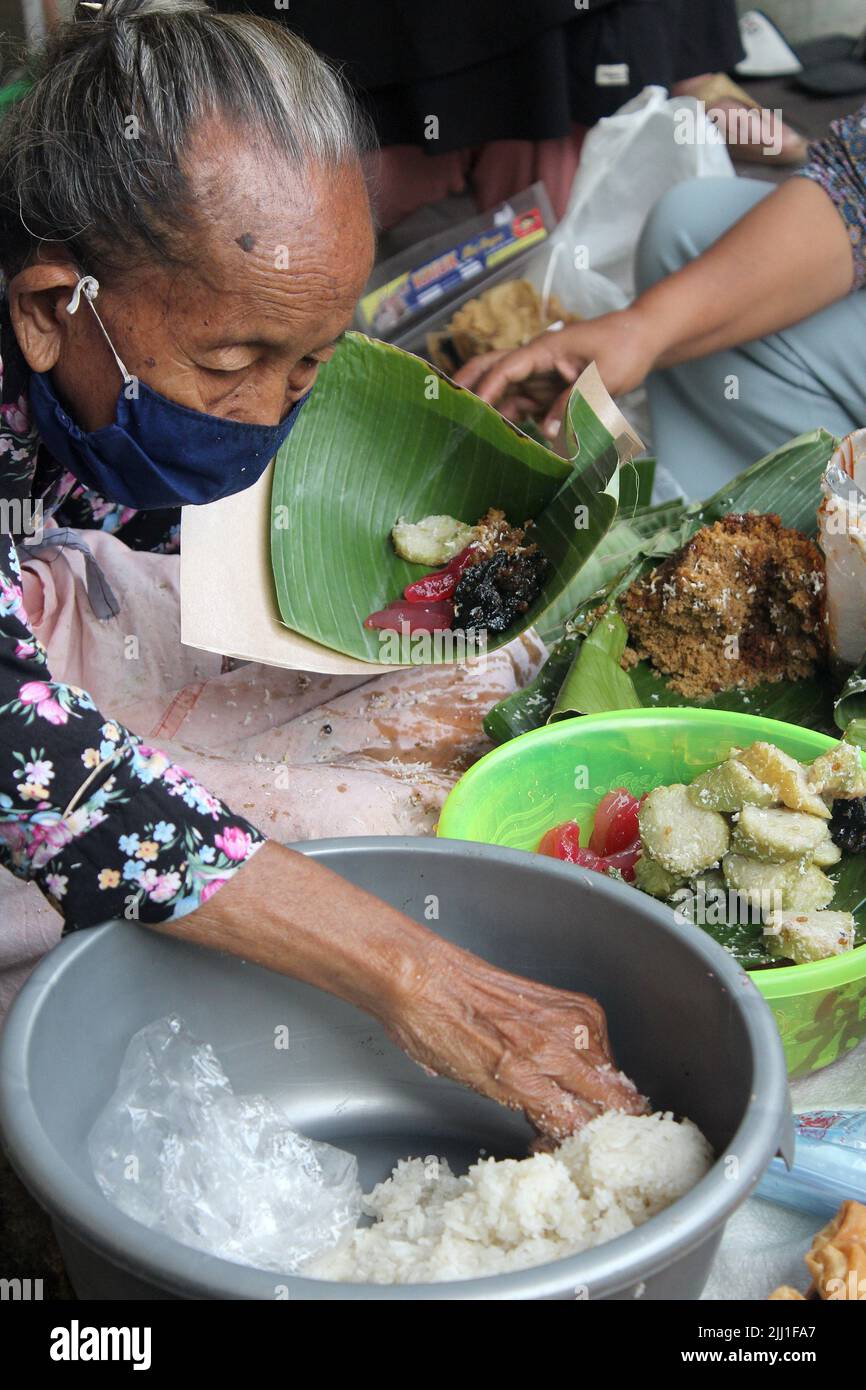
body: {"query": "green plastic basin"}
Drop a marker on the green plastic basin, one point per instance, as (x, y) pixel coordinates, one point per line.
(561, 772)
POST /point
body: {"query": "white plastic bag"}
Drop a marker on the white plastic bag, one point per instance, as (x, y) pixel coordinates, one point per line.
(628, 161)
(177, 1150)
(842, 530)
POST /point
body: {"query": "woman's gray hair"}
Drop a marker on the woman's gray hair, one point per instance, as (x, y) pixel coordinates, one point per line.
(93, 155)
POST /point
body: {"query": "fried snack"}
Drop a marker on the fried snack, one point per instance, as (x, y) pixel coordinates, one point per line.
(502, 318)
(837, 1259)
(505, 316)
(783, 1293)
(742, 602)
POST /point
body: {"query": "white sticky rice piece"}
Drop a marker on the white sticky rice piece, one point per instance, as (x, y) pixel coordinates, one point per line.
(619, 1171)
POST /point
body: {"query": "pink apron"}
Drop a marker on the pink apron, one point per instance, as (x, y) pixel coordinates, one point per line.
(301, 756)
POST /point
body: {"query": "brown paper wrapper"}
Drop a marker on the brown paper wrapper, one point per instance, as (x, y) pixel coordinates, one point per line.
(227, 598)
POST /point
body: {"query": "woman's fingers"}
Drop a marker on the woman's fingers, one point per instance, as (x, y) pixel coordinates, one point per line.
(560, 1106)
(602, 1085)
(530, 1046)
(619, 343)
(570, 1080)
(517, 408)
(477, 367)
(562, 350)
(502, 371)
(560, 1068)
(555, 1114)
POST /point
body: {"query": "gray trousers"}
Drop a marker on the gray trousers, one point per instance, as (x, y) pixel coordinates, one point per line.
(714, 417)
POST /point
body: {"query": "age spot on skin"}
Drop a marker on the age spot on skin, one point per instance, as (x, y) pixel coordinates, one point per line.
(246, 241)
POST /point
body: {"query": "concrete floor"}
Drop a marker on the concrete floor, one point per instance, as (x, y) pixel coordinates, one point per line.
(809, 114)
(808, 19)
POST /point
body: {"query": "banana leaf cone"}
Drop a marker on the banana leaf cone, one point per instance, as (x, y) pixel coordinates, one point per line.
(384, 435)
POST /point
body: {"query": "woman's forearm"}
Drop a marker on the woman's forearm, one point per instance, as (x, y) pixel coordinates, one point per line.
(289, 913)
(508, 1037)
(786, 259)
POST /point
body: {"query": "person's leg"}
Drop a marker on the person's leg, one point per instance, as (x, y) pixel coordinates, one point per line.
(714, 417)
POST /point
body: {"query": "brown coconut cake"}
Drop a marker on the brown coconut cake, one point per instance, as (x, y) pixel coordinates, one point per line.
(742, 602)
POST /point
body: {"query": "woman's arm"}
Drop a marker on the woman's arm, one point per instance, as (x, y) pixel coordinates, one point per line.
(509, 1038)
(787, 258)
(109, 828)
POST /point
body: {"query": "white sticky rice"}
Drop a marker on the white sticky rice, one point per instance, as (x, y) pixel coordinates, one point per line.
(513, 1213)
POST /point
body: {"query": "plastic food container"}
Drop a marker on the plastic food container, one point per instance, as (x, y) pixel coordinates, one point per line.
(693, 1032)
(561, 773)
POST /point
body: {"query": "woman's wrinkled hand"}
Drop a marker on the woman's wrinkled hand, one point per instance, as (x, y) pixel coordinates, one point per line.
(540, 1050)
(533, 1048)
(618, 343)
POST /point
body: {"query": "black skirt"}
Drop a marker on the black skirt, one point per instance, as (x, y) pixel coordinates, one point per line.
(485, 70)
(659, 42)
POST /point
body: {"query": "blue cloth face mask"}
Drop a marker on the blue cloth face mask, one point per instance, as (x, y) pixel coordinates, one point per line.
(157, 453)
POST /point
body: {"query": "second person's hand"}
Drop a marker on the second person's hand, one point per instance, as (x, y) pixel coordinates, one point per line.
(618, 343)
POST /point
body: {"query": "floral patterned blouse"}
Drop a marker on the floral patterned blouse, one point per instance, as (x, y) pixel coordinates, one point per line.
(107, 827)
(838, 164)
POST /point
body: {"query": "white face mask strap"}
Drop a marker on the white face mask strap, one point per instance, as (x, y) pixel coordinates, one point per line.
(89, 287)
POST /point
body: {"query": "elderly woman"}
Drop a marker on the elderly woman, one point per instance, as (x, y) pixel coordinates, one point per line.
(185, 229)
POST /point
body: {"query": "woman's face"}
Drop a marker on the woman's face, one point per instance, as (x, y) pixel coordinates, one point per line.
(279, 262)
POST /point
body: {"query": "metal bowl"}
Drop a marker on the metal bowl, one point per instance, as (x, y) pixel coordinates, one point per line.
(686, 1023)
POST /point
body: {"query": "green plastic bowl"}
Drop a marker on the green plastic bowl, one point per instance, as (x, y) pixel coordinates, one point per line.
(561, 772)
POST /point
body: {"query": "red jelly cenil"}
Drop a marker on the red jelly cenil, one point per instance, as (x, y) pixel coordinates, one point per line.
(615, 824)
(562, 842)
(442, 584)
(614, 843)
(419, 617)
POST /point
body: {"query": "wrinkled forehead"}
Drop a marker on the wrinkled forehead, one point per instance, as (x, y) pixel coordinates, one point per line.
(270, 240)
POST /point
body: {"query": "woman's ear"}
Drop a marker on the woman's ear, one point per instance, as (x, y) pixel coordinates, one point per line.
(38, 296)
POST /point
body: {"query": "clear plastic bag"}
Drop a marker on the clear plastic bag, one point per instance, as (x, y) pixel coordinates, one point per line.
(829, 1163)
(842, 532)
(627, 162)
(177, 1150)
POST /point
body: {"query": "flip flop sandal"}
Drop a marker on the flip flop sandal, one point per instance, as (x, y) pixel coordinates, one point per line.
(768, 53)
